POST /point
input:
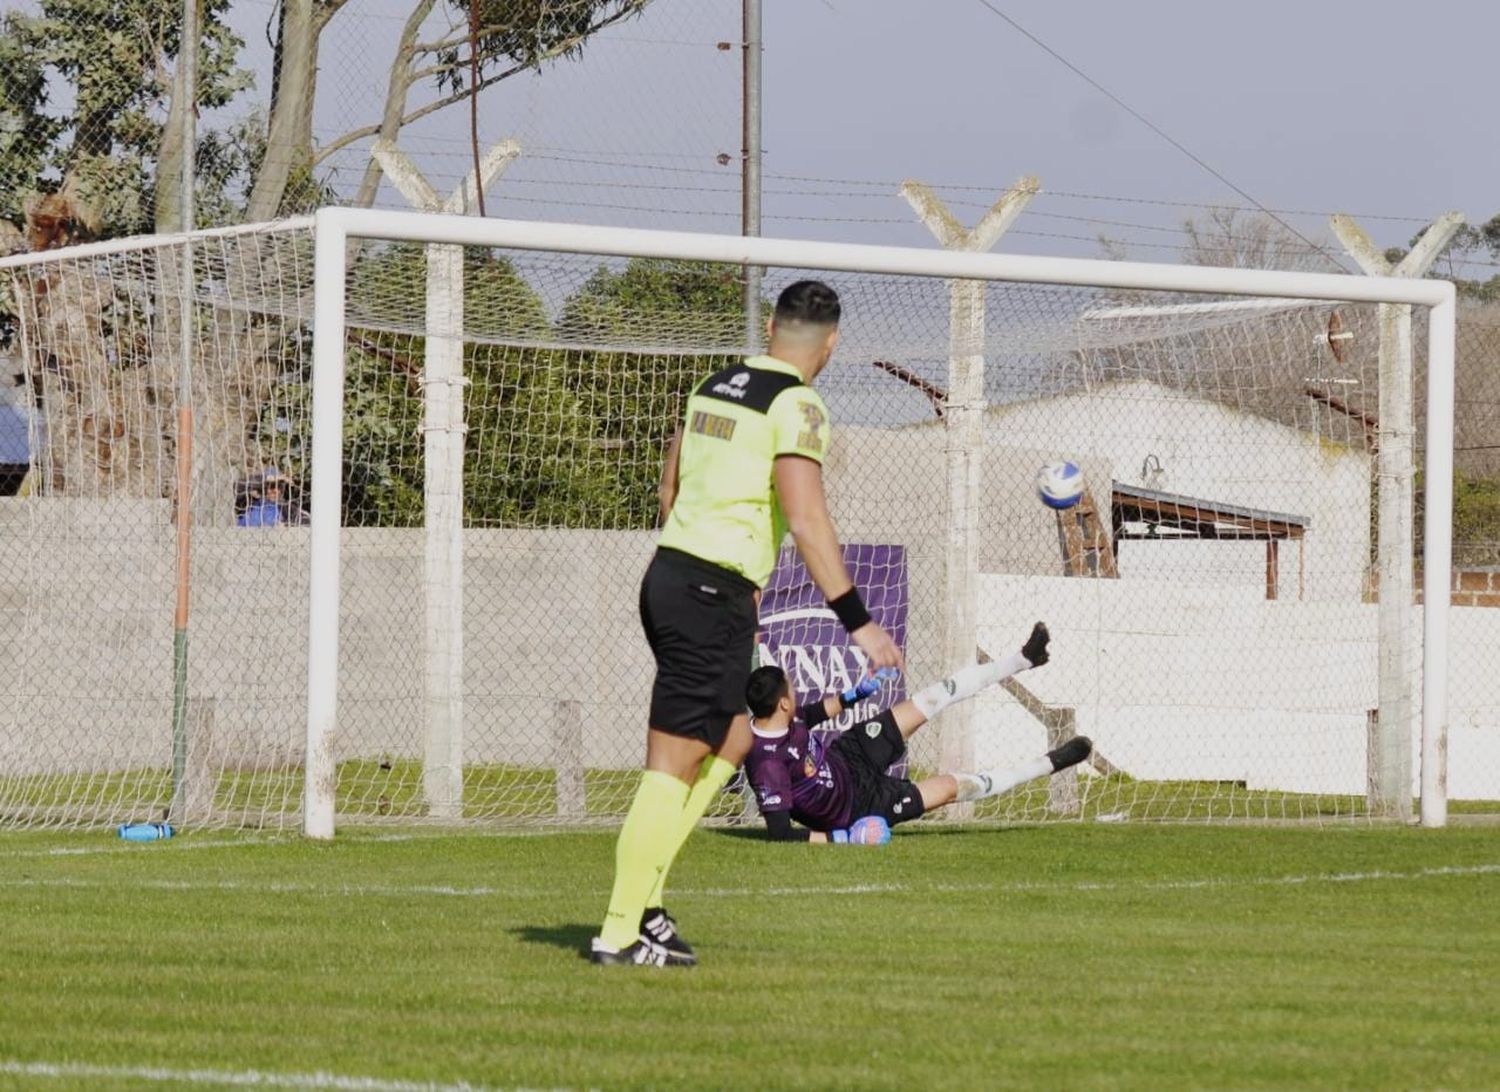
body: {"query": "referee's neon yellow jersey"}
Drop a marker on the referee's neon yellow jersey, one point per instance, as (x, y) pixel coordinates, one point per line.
(738, 420)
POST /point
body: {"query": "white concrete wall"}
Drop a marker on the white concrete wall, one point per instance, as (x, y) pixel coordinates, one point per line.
(1221, 686)
(1173, 680)
(86, 627)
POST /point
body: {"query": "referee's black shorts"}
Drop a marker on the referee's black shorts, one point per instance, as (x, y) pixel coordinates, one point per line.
(700, 620)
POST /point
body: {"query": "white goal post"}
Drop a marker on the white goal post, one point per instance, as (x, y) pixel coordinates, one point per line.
(336, 229)
(473, 412)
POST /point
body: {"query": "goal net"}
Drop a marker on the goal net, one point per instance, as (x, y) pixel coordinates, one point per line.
(401, 585)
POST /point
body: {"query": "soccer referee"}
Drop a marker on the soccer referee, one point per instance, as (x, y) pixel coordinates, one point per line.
(745, 467)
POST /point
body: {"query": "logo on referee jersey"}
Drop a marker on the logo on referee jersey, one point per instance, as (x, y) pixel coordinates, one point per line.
(872, 729)
(735, 386)
(812, 423)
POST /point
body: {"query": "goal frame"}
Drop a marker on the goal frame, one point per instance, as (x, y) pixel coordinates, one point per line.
(334, 228)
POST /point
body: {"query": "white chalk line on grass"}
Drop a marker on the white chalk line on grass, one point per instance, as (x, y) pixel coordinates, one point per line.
(127, 847)
(1375, 875)
(245, 1078)
(1025, 886)
(1021, 887)
(275, 887)
(239, 841)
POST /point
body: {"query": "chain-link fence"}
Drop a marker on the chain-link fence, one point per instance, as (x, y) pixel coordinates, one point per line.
(1216, 628)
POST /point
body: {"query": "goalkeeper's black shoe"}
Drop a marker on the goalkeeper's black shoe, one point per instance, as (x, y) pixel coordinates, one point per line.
(643, 953)
(1035, 648)
(1071, 753)
(660, 928)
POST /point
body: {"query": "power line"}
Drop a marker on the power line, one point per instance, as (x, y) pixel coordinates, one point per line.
(775, 193)
(725, 214)
(1232, 208)
(874, 189)
(1074, 195)
(881, 187)
(1158, 130)
(1215, 242)
(885, 188)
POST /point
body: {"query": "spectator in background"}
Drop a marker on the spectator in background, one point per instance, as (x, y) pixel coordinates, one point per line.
(270, 505)
(15, 439)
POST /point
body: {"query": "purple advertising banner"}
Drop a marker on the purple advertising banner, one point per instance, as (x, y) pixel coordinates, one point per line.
(799, 632)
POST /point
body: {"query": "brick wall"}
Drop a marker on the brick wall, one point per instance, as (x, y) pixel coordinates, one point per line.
(1476, 588)
(1471, 587)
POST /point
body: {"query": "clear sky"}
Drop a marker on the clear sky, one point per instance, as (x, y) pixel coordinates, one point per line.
(1305, 105)
(1366, 106)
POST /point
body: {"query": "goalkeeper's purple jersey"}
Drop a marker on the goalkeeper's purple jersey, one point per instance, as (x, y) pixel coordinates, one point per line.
(791, 773)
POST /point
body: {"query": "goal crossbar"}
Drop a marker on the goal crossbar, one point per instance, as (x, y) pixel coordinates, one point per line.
(334, 228)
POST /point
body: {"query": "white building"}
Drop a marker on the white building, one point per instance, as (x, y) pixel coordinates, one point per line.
(1153, 439)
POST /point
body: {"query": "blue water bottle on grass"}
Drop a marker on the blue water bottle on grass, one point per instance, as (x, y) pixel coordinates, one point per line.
(146, 832)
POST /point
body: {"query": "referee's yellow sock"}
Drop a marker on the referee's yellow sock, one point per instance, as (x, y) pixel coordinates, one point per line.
(713, 775)
(649, 829)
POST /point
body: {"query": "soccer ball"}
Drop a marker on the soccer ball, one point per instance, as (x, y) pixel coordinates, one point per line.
(1059, 484)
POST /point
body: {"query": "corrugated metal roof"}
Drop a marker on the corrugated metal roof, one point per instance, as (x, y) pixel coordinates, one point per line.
(1209, 508)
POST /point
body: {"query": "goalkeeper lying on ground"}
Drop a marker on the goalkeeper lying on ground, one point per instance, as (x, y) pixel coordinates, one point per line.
(827, 791)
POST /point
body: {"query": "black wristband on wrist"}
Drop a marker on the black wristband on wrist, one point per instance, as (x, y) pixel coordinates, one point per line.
(850, 609)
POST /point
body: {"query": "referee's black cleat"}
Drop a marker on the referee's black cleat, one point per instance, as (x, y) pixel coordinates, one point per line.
(643, 953)
(1035, 648)
(1071, 753)
(660, 928)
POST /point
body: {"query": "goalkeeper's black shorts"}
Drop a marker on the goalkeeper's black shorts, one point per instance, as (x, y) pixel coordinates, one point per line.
(869, 749)
(700, 621)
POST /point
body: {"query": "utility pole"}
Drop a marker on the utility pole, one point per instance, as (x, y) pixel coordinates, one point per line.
(750, 154)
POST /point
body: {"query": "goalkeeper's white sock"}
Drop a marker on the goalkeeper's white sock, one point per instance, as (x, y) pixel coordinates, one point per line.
(967, 682)
(979, 786)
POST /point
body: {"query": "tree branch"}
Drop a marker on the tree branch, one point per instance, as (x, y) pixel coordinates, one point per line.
(395, 98)
(436, 69)
(935, 394)
(552, 53)
(344, 141)
(459, 96)
(406, 119)
(326, 10)
(408, 367)
(456, 40)
(461, 35)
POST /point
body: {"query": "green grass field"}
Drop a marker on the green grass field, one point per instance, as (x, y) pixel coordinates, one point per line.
(1061, 957)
